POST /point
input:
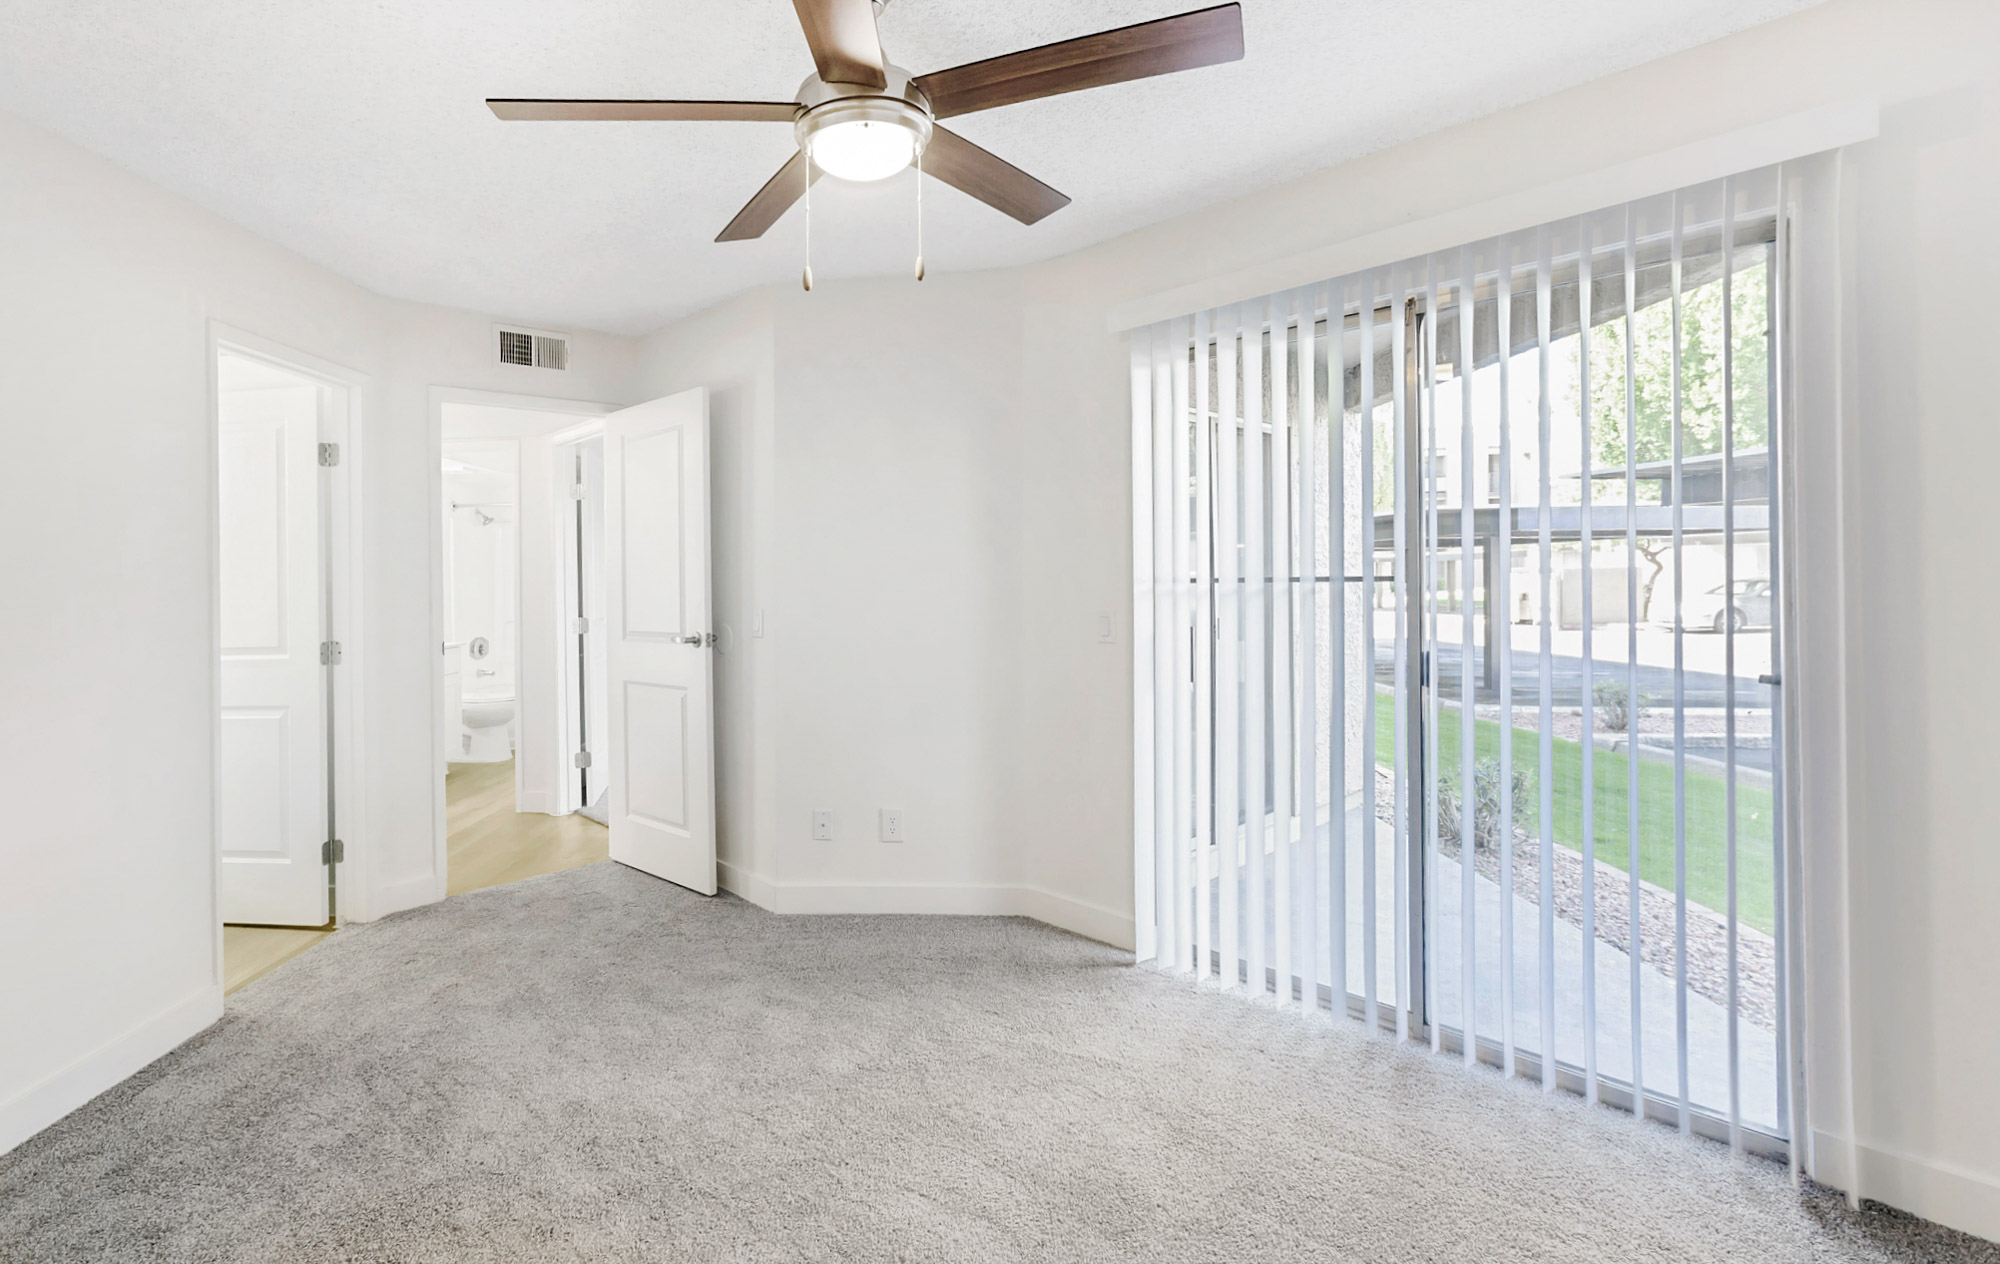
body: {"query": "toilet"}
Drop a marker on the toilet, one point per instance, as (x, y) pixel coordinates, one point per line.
(488, 721)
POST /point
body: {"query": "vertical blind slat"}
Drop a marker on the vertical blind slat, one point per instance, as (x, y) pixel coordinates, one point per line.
(1364, 547)
(1229, 651)
(1144, 664)
(1682, 1114)
(1305, 306)
(1544, 301)
(1255, 587)
(1207, 623)
(1182, 475)
(1733, 1016)
(1500, 606)
(1400, 343)
(1632, 871)
(1285, 583)
(1166, 685)
(1434, 304)
(1468, 689)
(1336, 411)
(1587, 778)
(1147, 593)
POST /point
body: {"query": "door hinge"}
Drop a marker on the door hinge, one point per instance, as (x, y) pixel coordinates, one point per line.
(329, 454)
(329, 653)
(332, 852)
(582, 626)
(579, 491)
(582, 759)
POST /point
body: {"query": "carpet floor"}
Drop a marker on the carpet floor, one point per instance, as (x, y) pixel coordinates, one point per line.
(594, 1065)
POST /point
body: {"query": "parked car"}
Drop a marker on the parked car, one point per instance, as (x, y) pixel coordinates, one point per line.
(1750, 608)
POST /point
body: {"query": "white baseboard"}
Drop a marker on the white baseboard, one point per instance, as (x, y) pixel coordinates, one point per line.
(1940, 1192)
(394, 897)
(542, 801)
(1092, 921)
(945, 899)
(39, 1105)
(753, 887)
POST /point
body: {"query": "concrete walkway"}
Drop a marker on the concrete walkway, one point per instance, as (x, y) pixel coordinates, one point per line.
(1708, 1037)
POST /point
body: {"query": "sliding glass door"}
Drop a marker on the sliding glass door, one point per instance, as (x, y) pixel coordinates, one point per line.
(1458, 699)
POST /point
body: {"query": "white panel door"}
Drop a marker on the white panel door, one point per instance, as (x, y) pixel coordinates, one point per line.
(271, 808)
(662, 739)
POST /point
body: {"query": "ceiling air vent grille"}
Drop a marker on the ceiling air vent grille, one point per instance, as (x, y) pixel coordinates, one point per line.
(533, 349)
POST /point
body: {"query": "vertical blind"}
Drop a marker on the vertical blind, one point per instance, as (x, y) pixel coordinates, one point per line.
(1457, 654)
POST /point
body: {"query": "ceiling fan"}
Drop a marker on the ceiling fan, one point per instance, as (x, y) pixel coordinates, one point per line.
(861, 118)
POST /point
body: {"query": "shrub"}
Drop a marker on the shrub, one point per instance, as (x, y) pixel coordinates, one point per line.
(1612, 705)
(1486, 826)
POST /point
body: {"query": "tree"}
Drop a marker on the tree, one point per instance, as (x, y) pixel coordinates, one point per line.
(1701, 374)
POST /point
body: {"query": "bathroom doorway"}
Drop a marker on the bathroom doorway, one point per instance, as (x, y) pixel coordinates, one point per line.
(521, 597)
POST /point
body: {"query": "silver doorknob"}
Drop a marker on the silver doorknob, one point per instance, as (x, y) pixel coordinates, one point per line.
(695, 638)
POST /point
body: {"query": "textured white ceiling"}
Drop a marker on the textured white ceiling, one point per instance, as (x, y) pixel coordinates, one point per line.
(356, 133)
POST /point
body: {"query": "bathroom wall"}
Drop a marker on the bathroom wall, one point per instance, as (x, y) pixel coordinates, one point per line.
(482, 551)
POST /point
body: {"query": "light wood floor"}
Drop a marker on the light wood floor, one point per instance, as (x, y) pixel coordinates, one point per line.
(251, 952)
(487, 844)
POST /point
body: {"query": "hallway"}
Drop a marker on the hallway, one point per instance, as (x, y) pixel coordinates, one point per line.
(489, 844)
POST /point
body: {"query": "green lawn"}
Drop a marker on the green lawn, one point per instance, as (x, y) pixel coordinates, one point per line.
(1707, 838)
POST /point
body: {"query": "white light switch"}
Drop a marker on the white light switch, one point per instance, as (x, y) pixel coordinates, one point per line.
(1104, 629)
(892, 825)
(822, 825)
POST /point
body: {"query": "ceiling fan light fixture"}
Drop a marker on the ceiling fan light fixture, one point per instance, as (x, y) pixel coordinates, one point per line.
(864, 138)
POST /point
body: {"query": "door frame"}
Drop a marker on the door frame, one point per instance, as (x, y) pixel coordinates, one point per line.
(589, 414)
(568, 687)
(341, 403)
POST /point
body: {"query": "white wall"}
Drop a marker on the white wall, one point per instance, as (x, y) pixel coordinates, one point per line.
(107, 658)
(894, 597)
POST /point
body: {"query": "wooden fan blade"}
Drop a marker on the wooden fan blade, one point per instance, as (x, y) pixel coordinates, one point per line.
(998, 183)
(1205, 37)
(543, 109)
(771, 202)
(843, 39)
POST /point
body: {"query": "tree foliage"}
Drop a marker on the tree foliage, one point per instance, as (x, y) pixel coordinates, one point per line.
(1701, 374)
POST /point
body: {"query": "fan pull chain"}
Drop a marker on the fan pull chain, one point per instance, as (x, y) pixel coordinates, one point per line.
(809, 222)
(920, 215)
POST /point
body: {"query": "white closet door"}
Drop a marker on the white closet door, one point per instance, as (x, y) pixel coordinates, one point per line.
(662, 741)
(271, 808)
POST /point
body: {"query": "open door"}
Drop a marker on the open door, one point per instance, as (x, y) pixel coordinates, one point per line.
(662, 739)
(271, 808)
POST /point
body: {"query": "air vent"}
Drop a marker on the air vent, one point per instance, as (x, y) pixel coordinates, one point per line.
(533, 348)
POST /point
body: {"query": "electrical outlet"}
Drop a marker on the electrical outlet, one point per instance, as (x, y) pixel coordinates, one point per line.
(822, 825)
(892, 825)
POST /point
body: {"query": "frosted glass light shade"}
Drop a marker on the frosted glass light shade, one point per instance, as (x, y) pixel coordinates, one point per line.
(863, 149)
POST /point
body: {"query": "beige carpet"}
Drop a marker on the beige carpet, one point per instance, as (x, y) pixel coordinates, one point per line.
(594, 1065)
